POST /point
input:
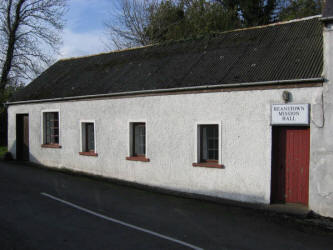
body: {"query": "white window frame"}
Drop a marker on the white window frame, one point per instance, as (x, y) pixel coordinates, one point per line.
(197, 139)
(42, 124)
(130, 133)
(95, 139)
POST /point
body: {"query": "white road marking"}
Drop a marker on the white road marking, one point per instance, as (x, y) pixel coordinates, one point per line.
(121, 222)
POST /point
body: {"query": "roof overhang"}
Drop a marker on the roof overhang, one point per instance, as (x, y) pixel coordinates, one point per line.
(157, 91)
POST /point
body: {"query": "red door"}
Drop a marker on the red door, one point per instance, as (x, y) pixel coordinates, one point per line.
(290, 164)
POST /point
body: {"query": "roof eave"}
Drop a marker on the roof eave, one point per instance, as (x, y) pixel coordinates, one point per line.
(140, 92)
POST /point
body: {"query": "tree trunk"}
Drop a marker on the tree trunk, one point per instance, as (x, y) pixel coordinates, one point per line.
(12, 29)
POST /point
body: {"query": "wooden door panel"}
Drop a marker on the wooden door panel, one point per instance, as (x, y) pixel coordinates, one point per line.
(297, 165)
(290, 164)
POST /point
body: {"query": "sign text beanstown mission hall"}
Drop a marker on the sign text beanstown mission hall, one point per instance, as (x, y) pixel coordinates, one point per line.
(285, 114)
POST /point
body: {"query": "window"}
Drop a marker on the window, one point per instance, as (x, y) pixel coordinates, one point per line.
(138, 142)
(88, 139)
(139, 139)
(51, 129)
(208, 146)
(209, 143)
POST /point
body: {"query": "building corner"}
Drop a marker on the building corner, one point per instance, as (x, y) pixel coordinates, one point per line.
(321, 168)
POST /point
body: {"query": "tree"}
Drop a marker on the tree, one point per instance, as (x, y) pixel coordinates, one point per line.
(257, 12)
(142, 22)
(292, 9)
(252, 12)
(126, 28)
(166, 21)
(174, 20)
(203, 17)
(29, 34)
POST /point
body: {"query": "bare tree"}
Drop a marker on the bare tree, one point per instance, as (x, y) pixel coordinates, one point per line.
(126, 27)
(29, 36)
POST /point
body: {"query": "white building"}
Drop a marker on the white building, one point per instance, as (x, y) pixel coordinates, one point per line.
(246, 115)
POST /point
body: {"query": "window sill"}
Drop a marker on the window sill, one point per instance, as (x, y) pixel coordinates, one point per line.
(208, 165)
(88, 153)
(50, 146)
(137, 158)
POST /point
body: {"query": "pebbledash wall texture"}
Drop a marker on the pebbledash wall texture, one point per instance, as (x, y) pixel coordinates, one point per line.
(171, 121)
(321, 160)
(295, 56)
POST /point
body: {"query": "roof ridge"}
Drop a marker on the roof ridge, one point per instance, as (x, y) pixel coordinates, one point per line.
(109, 52)
(182, 40)
(274, 24)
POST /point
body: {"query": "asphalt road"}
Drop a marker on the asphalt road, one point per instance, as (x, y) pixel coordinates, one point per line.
(43, 209)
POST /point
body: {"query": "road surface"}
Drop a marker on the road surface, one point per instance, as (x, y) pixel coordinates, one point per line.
(43, 209)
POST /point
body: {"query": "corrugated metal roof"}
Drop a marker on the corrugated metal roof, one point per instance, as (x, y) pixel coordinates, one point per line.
(285, 51)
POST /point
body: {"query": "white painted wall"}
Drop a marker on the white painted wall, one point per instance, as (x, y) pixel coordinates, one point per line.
(321, 165)
(170, 127)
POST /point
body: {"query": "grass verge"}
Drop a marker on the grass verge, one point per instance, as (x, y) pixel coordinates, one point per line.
(3, 151)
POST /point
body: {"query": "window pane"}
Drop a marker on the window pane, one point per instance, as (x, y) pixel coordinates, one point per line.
(139, 134)
(48, 130)
(90, 137)
(204, 146)
(54, 121)
(209, 142)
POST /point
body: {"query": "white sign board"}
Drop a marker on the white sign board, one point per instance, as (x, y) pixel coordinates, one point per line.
(290, 114)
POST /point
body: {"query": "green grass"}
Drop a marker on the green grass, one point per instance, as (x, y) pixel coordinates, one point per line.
(3, 150)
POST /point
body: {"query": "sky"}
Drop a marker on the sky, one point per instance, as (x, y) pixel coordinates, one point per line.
(84, 32)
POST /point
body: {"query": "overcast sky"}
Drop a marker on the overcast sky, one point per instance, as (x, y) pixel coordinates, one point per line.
(84, 31)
